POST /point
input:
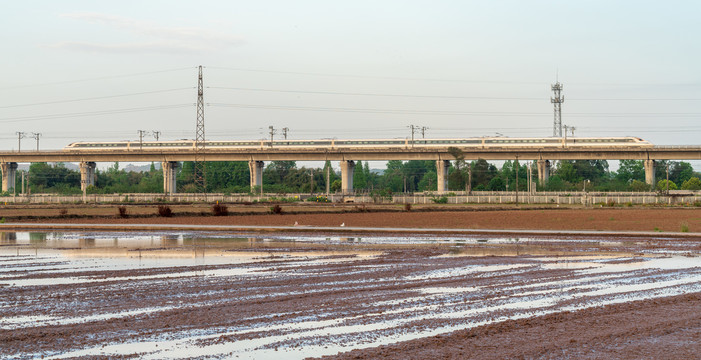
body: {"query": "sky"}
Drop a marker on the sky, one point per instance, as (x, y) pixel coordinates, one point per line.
(87, 70)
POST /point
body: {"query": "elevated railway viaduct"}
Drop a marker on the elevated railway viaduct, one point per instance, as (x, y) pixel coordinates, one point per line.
(87, 158)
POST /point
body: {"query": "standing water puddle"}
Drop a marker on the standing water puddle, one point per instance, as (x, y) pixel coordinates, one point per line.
(181, 295)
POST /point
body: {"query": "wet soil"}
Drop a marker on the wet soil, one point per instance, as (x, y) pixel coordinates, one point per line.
(668, 328)
(522, 298)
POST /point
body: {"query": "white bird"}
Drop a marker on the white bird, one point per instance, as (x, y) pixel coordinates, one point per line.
(296, 223)
(343, 224)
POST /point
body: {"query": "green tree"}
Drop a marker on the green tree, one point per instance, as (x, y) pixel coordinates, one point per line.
(639, 186)
(496, 184)
(53, 179)
(482, 173)
(681, 171)
(692, 184)
(555, 183)
(662, 185)
(428, 182)
(280, 169)
(629, 170)
(457, 177)
(393, 177)
(359, 179)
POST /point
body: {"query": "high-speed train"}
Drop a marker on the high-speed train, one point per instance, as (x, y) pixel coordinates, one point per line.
(480, 143)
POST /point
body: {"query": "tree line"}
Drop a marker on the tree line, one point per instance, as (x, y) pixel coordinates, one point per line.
(399, 176)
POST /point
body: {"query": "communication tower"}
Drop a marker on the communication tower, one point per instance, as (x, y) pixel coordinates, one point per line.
(557, 101)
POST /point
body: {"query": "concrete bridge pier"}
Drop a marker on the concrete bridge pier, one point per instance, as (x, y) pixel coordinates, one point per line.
(169, 176)
(9, 171)
(87, 174)
(649, 172)
(347, 170)
(543, 171)
(442, 167)
(256, 169)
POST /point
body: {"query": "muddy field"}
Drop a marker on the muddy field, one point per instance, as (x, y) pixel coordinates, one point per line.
(197, 295)
(436, 217)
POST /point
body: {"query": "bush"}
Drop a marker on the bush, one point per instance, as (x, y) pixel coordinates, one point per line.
(122, 211)
(407, 207)
(63, 212)
(611, 203)
(684, 227)
(440, 200)
(639, 186)
(220, 210)
(318, 198)
(276, 209)
(165, 211)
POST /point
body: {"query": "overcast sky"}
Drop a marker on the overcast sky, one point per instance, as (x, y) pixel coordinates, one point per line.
(88, 70)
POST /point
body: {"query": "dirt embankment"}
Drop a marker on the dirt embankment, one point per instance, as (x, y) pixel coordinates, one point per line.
(616, 219)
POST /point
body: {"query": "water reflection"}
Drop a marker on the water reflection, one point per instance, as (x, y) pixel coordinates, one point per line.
(8, 238)
(37, 237)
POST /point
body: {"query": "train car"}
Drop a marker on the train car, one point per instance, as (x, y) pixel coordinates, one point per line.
(481, 142)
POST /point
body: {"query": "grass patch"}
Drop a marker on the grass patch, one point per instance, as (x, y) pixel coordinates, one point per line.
(684, 227)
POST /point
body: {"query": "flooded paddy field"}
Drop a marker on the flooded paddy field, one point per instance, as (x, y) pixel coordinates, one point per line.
(213, 295)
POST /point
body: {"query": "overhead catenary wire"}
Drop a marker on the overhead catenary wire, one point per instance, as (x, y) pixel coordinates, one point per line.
(437, 112)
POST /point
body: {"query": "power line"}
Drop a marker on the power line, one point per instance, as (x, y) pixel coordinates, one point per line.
(91, 113)
(372, 77)
(97, 78)
(376, 94)
(95, 98)
(441, 96)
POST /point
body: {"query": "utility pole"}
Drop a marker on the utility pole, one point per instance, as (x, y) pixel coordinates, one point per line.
(141, 137)
(667, 169)
(311, 178)
(517, 166)
(469, 179)
(413, 128)
(284, 132)
(328, 179)
(36, 137)
(156, 134)
(528, 177)
(423, 132)
(200, 143)
(20, 135)
(557, 101)
(272, 134)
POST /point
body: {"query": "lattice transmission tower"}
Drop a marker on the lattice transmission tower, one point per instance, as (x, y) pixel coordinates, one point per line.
(200, 146)
(557, 101)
